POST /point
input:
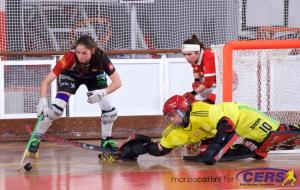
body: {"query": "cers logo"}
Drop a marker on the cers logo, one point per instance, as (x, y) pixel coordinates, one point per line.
(262, 175)
(268, 176)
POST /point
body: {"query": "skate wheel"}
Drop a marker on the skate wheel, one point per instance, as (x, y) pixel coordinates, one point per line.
(28, 167)
(110, 158)
(101, 156)
(33, 155)
(37, 155)
(106, 157)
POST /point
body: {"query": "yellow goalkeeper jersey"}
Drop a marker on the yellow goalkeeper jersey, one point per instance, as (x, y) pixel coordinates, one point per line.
(249, 123)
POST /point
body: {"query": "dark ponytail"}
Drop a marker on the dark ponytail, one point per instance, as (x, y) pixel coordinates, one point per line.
(97, 57)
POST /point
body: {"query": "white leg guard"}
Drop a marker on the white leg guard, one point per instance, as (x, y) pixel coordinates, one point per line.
(45, 124)
(53, 113)
(106, 130)
(104, 104)
(108, 116)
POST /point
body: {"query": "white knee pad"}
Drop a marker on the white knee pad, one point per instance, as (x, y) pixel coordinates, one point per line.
(53, 113)
(57, 109)
(109, 116)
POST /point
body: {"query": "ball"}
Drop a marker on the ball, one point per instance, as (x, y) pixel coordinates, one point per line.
(28, 167)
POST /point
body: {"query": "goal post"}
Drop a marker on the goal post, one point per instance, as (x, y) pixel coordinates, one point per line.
(250, 45)
(261, 73)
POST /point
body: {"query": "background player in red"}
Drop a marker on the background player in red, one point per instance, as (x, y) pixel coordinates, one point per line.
(203, 63)
(88, 65)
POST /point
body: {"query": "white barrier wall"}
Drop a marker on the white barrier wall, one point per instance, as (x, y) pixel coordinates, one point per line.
(147, 83)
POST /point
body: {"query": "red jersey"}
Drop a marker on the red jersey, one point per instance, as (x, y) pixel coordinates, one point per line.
(68, 61)
(206, 68)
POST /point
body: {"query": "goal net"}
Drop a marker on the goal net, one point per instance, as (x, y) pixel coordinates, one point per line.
(263, 74)
(53, 25)
(20, 86)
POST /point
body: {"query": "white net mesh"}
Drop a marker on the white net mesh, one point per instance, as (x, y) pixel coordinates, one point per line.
(47, 25)
(22, 87)
(266, 79)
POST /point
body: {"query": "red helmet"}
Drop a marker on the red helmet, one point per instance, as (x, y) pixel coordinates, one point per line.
(176, 103)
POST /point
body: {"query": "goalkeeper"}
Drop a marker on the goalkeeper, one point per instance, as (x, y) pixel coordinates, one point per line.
(225, 124)
(88, 65)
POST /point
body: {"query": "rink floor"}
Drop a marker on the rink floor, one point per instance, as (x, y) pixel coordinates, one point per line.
(63, 167)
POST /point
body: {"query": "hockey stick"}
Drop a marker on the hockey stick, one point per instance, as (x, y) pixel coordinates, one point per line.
(60, 140)
(219, 155)
(269, 144)
(281, 146)
(231, 142)
(25, 154)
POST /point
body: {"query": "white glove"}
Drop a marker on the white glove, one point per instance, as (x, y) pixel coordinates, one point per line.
(96, 95)
(42, 107)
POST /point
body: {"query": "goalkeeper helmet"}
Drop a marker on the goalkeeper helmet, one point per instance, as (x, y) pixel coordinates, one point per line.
(176, 103)
(175, 110)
